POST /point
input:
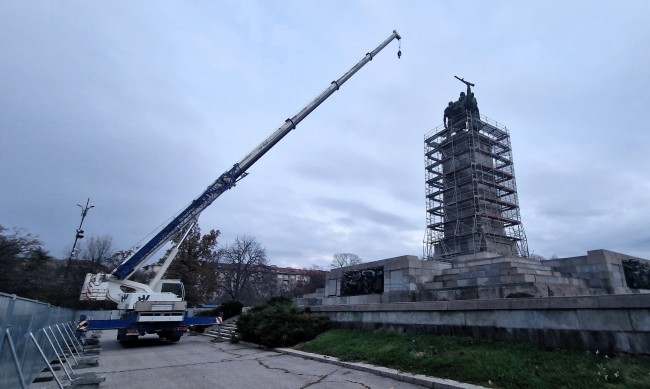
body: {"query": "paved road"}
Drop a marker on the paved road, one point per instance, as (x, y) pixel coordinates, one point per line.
(196, 362)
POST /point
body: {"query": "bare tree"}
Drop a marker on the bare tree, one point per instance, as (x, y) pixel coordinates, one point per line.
(345, 259)
(242, 267)
(18, 251)
(119, 257)
(16, 243)
(99, 251)
(26, 269)
(534, 255)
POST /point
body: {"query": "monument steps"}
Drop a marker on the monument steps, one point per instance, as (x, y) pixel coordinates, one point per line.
(509, 290)
(504, 280)
(492, 271)
(500, 271)
(493, 260)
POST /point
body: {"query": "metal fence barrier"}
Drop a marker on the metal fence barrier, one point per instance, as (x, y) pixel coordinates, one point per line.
(24, 345)
(34, 334)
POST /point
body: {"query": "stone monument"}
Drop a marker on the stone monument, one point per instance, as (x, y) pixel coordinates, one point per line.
(472, 204)
(475, 246)
(476, 276)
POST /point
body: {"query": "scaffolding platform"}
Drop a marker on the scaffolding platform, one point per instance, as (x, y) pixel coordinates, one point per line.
(471, 192)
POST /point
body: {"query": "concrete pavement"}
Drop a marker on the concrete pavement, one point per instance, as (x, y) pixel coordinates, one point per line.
(197, 362)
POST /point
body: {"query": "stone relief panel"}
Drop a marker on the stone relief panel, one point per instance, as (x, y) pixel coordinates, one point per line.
(364, 281)
(637, 273)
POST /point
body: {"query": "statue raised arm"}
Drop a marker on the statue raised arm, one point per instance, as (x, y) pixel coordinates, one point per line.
(466, 102)
(469, 103)
(469, 84)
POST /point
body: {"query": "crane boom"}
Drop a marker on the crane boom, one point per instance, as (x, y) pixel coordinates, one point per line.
(159, 307)
(230, 177)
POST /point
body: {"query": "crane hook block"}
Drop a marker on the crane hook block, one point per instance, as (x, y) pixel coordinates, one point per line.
(399, 48)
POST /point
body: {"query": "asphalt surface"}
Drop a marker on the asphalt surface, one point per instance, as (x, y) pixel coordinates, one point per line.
(199, 362)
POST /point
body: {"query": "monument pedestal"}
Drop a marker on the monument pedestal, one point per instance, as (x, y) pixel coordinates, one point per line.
(501, 277)
(483, 276)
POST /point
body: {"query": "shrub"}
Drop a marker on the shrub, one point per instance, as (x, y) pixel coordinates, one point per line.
(280, 323)
(229, 308)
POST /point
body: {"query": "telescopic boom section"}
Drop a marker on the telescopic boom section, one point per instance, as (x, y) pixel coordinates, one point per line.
(229, 178)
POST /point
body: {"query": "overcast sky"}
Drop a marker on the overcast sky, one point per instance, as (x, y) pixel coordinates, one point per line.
(140, 105)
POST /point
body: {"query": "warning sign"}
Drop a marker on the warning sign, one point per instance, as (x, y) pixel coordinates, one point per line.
(219, 320)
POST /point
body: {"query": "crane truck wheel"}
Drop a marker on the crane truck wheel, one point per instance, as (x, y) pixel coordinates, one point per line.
(123, 338)
(169, 335)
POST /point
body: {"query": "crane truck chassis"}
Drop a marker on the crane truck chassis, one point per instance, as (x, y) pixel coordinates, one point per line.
(159, 307)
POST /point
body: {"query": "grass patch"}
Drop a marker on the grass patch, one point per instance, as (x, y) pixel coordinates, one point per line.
(484, 362)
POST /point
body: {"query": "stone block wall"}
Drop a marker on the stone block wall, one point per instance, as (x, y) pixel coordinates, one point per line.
(484, 276)
(403, 278)
(600, 268)
(614, 323)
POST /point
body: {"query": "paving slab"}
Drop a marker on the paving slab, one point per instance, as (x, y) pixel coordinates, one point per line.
(196, 362)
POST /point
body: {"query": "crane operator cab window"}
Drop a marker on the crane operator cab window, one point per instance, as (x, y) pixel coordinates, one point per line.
(173, 286)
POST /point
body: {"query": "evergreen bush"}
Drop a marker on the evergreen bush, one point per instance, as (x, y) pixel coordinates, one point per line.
(280, 323)
(229, 308)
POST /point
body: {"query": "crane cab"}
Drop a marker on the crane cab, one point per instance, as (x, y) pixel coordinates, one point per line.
(171, 286)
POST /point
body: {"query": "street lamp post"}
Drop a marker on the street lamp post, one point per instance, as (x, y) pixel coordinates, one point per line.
(80, 232)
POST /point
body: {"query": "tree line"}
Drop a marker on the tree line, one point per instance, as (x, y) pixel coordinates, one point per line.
(211, 273)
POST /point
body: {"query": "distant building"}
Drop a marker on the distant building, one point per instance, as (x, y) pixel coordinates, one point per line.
(288, 278)
(267, 281)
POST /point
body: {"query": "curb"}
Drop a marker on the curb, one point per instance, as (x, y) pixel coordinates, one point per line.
(416, 379)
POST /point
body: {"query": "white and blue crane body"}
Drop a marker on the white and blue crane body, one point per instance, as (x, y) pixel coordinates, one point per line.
(159, 306)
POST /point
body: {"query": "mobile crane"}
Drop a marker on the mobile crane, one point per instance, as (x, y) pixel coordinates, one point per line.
(159, 306)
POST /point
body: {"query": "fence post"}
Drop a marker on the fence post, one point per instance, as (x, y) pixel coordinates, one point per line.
(10, 342)
(6, 320)
(46, 360)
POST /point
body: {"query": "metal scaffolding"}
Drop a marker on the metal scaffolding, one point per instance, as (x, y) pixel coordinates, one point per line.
(471, 193)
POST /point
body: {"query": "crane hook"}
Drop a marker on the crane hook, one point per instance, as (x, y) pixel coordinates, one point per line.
(399, 49)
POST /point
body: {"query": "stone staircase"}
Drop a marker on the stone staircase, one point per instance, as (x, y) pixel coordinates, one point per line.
(223, 332)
